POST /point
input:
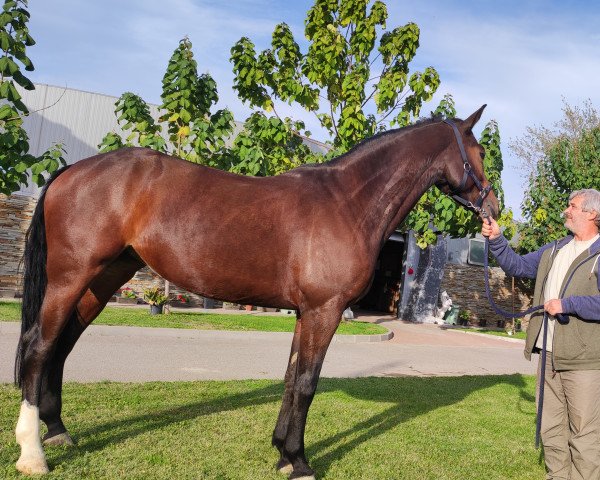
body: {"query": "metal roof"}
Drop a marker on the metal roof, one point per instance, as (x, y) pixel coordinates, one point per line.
(79, 120)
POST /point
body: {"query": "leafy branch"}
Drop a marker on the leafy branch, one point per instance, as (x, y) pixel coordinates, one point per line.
(17, 165)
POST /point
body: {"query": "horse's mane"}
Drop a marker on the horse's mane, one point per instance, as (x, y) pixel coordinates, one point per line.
(367, 142)
(378, 136)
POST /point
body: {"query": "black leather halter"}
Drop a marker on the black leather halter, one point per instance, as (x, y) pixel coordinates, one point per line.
(483, 191)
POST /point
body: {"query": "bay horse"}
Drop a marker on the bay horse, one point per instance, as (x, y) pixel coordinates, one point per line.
(306, 240)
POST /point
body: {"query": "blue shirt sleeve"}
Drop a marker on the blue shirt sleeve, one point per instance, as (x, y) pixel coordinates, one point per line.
(587, 307)
(516, 265)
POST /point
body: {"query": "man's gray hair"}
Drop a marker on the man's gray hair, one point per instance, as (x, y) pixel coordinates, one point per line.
(590, 203)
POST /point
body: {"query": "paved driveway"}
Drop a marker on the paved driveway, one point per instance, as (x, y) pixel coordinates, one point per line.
(145, 354)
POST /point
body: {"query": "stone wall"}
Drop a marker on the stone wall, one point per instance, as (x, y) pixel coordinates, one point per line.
(15, 215)
(466, 287)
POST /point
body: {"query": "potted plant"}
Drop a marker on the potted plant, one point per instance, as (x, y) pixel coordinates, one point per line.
(127, 296)
(156, 299)
(464, 316)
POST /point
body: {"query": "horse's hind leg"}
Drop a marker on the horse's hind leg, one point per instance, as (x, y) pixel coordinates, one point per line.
(88, 308)
(279, 433)
(51, 389)
(39, 348)
(63, 293)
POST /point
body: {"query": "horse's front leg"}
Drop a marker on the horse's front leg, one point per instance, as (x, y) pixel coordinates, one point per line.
(279, 433)
(318, 327)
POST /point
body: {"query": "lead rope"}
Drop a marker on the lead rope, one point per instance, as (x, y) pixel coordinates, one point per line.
(504, 313)
(538, 421)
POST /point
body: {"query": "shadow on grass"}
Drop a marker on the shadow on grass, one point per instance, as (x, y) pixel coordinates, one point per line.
(116, 431)
(410, 396)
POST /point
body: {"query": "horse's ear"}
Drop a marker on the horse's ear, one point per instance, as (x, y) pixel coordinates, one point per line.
(470, 122)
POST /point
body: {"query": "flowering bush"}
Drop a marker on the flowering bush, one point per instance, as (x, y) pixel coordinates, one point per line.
(183, 298)
(128, 293)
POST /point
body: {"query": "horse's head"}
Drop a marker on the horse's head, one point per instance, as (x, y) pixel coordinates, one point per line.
(463, 177)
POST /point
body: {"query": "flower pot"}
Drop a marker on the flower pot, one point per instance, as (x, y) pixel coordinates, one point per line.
(156, 309)
(248, 308)
(209, 303)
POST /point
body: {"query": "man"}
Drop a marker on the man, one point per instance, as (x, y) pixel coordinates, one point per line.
(567, 282)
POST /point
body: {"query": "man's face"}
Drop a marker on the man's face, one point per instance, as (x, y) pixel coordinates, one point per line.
(576, 219)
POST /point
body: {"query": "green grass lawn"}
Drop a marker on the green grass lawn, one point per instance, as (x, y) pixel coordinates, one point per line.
(499, 333)
(11, 311)
(439, 428)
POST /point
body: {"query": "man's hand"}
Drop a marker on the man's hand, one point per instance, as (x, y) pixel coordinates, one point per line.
(553, 306)
(491, 230)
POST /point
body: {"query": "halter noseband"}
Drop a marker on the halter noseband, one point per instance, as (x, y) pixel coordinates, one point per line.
(483, 191)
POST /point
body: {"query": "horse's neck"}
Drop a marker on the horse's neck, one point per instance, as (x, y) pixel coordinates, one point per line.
(388, 179)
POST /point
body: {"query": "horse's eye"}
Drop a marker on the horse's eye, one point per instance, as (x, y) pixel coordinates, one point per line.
(482, 155)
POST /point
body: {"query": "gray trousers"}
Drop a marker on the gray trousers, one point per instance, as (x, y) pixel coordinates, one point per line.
(571, 423)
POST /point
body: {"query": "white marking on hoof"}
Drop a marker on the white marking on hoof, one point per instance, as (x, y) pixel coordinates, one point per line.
(32, 460)
(33, 466)
(286, 469)
(309, 477)
(60, 439)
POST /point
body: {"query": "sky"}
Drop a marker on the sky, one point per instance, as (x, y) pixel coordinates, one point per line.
(523, 59)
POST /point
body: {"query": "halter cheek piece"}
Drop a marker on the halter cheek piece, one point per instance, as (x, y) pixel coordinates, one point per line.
(468, 173)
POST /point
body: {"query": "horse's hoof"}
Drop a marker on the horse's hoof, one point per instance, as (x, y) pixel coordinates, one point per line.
(306, 477)
(60, 439)
(286, 469)
(32, 466)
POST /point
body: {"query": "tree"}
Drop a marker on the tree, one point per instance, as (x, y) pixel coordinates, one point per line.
(193, 133)
(15, 160)
(560, 161)
(333, 80)
(269, 146)
(133, 114)
(532, 147)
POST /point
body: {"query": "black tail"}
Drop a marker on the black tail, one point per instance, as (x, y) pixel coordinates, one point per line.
(34, 278)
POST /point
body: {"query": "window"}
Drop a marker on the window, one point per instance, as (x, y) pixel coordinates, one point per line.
(476, 251)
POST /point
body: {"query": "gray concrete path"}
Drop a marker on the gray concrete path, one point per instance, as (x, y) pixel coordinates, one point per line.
(146, 354)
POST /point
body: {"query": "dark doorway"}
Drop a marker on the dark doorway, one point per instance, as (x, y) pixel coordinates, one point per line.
(385, 290)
